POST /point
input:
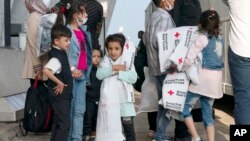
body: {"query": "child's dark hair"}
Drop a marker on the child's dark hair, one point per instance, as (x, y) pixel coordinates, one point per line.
(76, 6)
(210, 23)
(157, 2)
(118, 37)
(59, 31)
(98, 49)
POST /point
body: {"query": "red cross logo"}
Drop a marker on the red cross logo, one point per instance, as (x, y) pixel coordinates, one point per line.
(127, 46)
(177, 34)
(180, 60)
(170, 92)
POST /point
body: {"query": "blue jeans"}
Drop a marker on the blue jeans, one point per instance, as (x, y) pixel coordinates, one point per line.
(162, 121)
(239, 70)
(206, 107)
(78, 107)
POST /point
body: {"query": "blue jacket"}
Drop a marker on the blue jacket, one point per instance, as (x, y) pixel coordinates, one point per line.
(74, 51)
(212, 54)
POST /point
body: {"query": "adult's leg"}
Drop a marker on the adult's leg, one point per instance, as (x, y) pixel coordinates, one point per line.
(239, 70)
(152, 120)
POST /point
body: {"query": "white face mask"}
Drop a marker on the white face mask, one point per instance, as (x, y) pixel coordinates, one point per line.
(83, 21)
(169, 8)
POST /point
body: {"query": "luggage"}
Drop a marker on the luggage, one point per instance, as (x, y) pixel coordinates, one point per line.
(37, 110)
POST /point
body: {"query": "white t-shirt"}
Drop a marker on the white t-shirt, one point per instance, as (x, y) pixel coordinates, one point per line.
(239, 34)
(54, 65)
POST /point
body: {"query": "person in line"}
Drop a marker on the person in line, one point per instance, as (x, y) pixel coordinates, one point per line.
(186, 13)
(95, 20)
(33, 64)
(159, 21)
(239, 58)
(80, 59)
(140, 63)
(115, 110)
(92, 98)
(60, 83)
(209, 88)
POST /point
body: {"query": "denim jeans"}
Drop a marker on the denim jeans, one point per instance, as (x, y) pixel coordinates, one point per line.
(239, 70)
(206, 107)
(78, 107)
(162, 121)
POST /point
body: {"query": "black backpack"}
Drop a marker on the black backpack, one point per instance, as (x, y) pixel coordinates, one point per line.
(37, 110)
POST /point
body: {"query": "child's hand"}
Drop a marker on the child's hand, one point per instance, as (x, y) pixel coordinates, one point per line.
(117, 68)
(77, 73)
(59, 88)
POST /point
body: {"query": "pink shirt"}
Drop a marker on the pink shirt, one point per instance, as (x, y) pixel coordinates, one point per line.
(82, 62)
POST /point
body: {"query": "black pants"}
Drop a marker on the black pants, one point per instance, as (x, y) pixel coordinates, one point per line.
(181, 130)
(61, 125)
(128, 128)
(152, 120)
(90, 117)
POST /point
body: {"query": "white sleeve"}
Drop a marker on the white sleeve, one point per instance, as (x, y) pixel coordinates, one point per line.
(54, 65)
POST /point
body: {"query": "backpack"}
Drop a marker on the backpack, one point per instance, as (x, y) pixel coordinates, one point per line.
(37, 110)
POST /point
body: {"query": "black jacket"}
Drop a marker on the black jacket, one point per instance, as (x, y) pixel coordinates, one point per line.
(65, 75)
(186, 12)
(139, 63)
(93, 89)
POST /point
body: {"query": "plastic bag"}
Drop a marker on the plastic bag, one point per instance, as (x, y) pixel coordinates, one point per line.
(149, 95)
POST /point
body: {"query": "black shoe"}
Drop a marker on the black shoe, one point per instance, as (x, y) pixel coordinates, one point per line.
(188, 138)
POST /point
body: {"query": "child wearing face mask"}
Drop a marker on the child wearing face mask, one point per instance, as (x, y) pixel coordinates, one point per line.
(115, 110)
(80, 59)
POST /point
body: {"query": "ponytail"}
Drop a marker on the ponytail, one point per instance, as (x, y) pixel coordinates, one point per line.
(60, 20)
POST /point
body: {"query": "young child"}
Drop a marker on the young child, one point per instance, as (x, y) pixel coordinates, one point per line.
(80, 59)
(92, 97)
(210, 86)
(114, 110)
(60, 82)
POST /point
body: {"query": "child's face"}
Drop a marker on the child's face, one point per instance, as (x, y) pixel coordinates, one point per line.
(81, 17)
(96, 57)
(62, 42)
(114, 50)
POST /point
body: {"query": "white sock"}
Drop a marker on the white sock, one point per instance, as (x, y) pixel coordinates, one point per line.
(196, 139)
